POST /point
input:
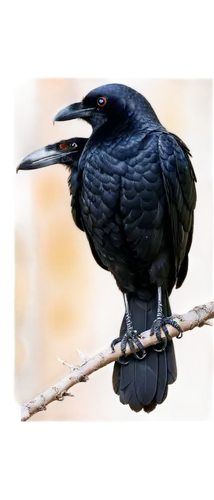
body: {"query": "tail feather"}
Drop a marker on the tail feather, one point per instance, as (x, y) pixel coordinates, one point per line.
(144, 383)
(138, 370)
(162, 377)
(171, 363)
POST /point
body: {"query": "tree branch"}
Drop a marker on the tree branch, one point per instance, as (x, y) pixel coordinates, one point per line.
(198, 316)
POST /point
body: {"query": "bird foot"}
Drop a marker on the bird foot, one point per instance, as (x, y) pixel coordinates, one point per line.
(130, 337)
(160, 323)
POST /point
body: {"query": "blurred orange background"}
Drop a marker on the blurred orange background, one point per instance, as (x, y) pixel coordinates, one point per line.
(64, 300)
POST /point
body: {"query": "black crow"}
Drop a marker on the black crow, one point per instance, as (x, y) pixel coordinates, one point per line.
(66, 152)
(136, 202)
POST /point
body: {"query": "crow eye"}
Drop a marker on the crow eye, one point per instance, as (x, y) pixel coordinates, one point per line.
(63, 146)
(74, 145)
(102, 101)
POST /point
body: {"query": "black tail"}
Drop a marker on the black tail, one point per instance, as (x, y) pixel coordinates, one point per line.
(144, 384)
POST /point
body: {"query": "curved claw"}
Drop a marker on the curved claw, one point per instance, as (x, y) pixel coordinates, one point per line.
(141, 349)
(163, 341)
(162, 348)
(156, 331)
(122, 362)
(131, 345)
(175, 325)
(180, 335)
(124, 342)
(112, 347)
(114, 342)
(144, 354)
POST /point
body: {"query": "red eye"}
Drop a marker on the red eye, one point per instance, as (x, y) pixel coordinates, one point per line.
(102, 101)
(63, 146)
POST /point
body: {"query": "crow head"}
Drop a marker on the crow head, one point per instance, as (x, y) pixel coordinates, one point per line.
(66, 152)
(112, 103)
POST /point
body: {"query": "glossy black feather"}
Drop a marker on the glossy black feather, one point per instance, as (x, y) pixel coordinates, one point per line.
(75, 186)
(136, 204)
(179, 181)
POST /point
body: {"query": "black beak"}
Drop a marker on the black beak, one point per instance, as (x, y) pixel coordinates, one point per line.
(73, 111)
(42, 158)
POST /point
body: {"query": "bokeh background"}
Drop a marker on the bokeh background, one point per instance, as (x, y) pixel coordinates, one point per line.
(64, 301)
